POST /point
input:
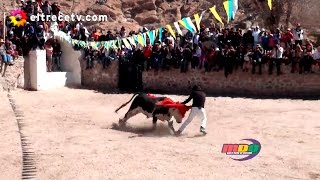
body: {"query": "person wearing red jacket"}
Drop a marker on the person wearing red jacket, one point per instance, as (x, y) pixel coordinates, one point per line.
(287, 38)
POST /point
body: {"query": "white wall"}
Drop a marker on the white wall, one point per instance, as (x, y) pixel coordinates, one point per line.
(41, 79)
(36, 67)
(70, 59)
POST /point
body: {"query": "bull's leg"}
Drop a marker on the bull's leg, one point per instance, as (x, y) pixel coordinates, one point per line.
(170, 124)
(128, 115)
(154, 122)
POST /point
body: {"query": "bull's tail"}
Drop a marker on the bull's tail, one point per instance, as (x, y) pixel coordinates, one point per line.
(123, 105)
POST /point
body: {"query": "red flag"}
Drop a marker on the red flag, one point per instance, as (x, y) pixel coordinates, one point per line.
(169, 103)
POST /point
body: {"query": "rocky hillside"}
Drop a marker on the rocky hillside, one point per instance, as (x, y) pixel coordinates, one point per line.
(133, 14)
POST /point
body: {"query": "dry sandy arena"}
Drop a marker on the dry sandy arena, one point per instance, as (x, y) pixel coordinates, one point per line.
(74, 136)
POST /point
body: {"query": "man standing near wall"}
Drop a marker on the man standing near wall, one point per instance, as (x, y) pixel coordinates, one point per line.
(199, 98)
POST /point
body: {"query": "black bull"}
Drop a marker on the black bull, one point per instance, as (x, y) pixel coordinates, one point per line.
(142, 103)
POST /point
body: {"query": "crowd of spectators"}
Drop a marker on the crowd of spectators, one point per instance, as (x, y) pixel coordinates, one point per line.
(214, 49)
(34, 34)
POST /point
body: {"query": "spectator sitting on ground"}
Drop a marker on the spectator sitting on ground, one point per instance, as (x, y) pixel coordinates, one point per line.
(11, 49)
(6, 58)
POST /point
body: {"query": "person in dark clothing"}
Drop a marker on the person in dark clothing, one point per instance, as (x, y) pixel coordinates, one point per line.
(257, 59)
(137, 58)
(46, 8)
(199, 98)
(306, 63)
(55, 8)
(248, 39)
(229, 56)
(88, 53)
(156, 57)
(239, 57)
(187, 57)
(56, 57)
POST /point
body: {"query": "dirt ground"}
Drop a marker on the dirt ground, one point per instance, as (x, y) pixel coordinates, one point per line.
(74, 135)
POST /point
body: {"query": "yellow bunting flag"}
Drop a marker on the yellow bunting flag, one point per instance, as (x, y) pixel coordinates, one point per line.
(156, 33)
(171, 31)
(270, 4)
(197, 19)
(93, 44)
(216, 15)
(226, 7)
(140, 39)
(126, 43)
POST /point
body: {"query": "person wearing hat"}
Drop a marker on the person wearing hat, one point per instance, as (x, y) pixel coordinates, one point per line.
(298, 35)
(109, 36)
(199, 98)
(6, 58)
(123, 32)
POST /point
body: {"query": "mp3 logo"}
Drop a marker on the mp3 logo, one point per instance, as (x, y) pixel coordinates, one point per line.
(248, 150)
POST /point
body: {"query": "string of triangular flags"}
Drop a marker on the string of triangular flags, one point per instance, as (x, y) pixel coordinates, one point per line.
(230, 6)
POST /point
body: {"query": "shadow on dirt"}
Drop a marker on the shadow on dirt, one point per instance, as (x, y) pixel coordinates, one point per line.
(162, 130)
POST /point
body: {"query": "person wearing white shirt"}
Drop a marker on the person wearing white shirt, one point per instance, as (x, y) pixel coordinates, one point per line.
(298, 35)
(316, 56)
(277, 54)
(170, 39)
(255, 35)
(78, 26)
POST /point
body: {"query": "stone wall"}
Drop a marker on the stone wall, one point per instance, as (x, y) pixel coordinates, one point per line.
(237, 84)
(12, 77)
(99, 78)
(214, 83)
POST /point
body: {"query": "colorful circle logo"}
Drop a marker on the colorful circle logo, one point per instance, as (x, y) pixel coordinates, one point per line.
(18, 17)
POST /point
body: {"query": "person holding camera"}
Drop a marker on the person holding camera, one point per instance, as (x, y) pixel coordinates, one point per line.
(298, 35)
(257, 59)
(276, 59)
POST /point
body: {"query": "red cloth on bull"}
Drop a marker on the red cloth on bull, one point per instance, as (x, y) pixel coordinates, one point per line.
(169, 103)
